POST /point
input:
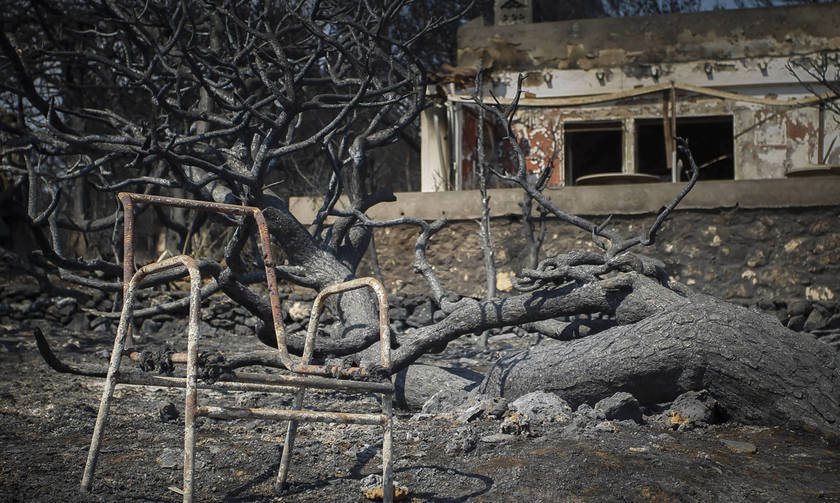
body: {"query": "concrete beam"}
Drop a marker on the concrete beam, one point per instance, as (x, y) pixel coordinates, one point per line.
(604, 200)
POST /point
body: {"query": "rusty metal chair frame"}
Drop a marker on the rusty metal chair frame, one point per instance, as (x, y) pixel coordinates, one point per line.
(311, 376)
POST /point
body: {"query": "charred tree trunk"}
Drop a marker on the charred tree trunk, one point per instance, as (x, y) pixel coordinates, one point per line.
(356, 309)
(758, 370)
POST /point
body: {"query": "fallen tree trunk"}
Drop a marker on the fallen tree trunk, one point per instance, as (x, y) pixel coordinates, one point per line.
(758, 370)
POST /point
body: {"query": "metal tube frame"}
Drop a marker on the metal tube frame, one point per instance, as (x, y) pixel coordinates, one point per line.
(275, 384)
(385, 362)
(127, 199)
(116, 356)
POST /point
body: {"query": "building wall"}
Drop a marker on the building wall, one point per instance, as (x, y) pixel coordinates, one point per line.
(569, 65)
(768, 142)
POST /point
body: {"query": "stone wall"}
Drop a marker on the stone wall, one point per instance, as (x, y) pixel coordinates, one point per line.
(746, 256)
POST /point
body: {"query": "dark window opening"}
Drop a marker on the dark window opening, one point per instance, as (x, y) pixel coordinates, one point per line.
(591, 148)
(710, 140)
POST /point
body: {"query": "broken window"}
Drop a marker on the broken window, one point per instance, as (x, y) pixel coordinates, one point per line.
(710, 138)
(591, 148)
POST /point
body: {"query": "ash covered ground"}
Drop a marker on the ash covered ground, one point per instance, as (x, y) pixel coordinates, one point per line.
(461, 455)
(457, 448)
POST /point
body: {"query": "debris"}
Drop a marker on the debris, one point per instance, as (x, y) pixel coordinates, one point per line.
(168, 412)
(372, 488)
(497, 438)
(694, 407)
(516, 424)
(607, 426)
(171, 458)
(444, 401)
(585, 411)
(620, 406)
(471, 413)
(463, 441)
(496, 407)
(541, 407)
(740, 447)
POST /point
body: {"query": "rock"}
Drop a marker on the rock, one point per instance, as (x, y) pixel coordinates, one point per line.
(170, 458)
(540, 407)
(61, 309)
(516, 424)
(694, 407)
(371, 487)
(606, 426)
(815, 321)
(799, 308)
(496, 407)
(78, 323)
(150, 326)
(497, 438)
(421, 316)
(168, 412)
(576, 427)
(587, 413)
(796, 323)
(472, 412)
(834, 321)
(444, 401)
(397, 313)
(620, 406)
(463, 441)
(740, 447)
(299, 310)
(416, 384)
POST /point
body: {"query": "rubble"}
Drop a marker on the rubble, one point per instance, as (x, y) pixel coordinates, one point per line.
(693, 408)
(621, 406)
(540, 407)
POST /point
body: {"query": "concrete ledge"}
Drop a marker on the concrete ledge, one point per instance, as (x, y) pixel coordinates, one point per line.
(604, 199)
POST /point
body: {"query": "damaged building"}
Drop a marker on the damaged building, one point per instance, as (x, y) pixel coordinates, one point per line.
(603, 99)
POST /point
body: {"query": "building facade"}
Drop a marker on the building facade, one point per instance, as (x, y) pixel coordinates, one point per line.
(602, 100)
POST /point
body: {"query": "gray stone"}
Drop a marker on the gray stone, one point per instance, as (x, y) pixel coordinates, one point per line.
(815, 321)
(740, 447)
(444, 401)
(397, 313)
(606, 426)
(168, 412)
(418, 383)
(421, 316)
(497, 438)
(576, 427)
(516, 424)
(471, 413)
(540, 407)
(620, 406)
(796, 323)
(587, 413)
(150, 326)
(462, 441)
(694, 407)
(799, 308)
(78, 323)
(496, 407)
(171, 458)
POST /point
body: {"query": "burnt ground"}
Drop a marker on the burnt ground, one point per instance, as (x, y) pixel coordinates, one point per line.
(46, 420)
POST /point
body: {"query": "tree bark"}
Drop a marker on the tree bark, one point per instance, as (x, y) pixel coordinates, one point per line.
(759, 371)
(629, 297)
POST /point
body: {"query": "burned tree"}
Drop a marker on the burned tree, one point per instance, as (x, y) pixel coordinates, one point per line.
(213, 103)
(219, 102)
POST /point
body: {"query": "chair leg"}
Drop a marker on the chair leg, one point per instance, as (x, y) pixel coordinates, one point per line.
(387, 449)
(288, 445)
(105, 403)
